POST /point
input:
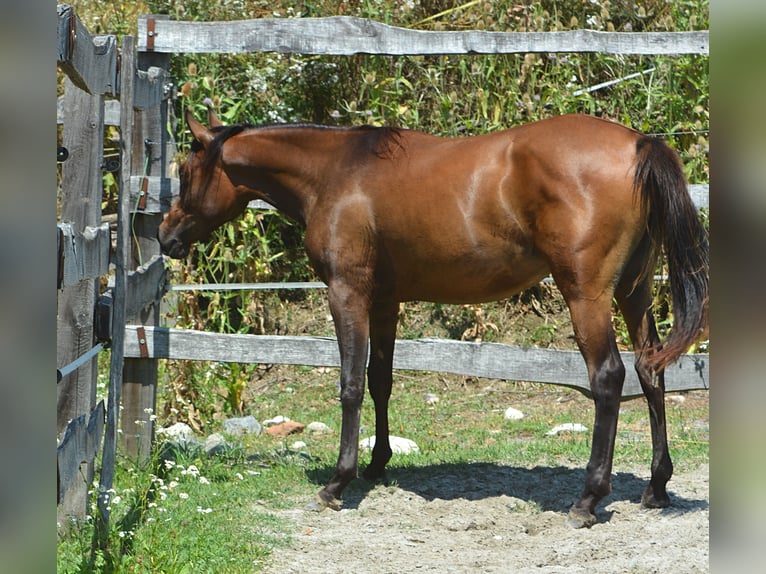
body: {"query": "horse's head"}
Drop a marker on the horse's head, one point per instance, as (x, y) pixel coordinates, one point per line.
(207, 197)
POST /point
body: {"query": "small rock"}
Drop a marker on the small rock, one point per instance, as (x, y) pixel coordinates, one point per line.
(512, 414)
(430, 398)
(243, 425)
(398, 444)
(318, 428)
(297, 445)
(567, 427)
(277, 420)
(215, 444)
(286, 428)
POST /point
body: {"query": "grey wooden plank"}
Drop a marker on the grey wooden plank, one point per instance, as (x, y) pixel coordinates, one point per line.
(81, 189)
(346, 35)
(111, 112)
(151, 87)
(86, 254)
(89, 61)
(491, 360)
(79, 445)
(81, 193)
(122, 256)
(146, 285)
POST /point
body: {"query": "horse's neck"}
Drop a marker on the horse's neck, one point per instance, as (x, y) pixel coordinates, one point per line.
(284, 166)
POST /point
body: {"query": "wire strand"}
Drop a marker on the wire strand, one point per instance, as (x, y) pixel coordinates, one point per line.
(135, 211)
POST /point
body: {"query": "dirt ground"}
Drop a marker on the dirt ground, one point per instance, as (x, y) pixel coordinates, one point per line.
(494, 518)
(485, 517)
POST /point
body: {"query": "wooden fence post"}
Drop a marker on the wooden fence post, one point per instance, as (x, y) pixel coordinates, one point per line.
(83, 137)
(121, 257)
(149, 160)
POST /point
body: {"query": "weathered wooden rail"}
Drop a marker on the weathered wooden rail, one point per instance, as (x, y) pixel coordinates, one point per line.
(346, 35)
(491, 360)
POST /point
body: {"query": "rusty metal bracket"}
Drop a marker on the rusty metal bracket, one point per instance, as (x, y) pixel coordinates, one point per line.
(150, 34)
(143, 348)
(72, 34)
(143, 194)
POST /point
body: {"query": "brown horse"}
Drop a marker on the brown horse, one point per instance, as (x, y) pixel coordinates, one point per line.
(396, 215)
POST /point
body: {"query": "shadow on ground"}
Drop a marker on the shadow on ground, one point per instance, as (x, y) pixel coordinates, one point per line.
(549, 488)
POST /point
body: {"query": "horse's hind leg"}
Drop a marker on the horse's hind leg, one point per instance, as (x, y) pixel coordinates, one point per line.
(591, 318)
(635, 304)
(383, 319)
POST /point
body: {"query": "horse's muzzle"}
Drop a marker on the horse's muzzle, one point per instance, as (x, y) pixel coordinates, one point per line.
(172, 246)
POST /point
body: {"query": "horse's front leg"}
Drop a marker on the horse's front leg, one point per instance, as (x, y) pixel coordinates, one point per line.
(383, 319)
(350, 311)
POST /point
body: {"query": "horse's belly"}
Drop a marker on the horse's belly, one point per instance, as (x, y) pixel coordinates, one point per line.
(468, 281)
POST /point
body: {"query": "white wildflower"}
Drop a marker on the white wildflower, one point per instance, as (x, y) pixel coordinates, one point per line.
(192, 470)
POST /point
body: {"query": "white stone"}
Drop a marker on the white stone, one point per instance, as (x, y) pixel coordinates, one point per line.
(398, 444)
(243, 425)
(317, 427)
(512, 414)
(277, 420)
(567, 427)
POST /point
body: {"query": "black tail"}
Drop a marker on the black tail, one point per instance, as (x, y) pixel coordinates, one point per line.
(674, 226)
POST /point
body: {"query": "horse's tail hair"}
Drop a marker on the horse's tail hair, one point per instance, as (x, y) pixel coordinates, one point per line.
(674, 225)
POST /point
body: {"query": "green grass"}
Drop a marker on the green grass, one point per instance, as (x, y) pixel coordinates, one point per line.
(220, 514)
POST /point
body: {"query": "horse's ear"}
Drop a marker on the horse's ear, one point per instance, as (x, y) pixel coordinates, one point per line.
(200, 132)
(212, 119)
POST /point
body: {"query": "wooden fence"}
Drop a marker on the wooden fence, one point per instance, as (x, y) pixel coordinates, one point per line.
(90, 317)
(146, 191)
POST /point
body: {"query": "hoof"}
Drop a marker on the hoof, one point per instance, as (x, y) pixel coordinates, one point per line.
(375, 477)
(650, 499)
(319, 504)
(579, 518)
